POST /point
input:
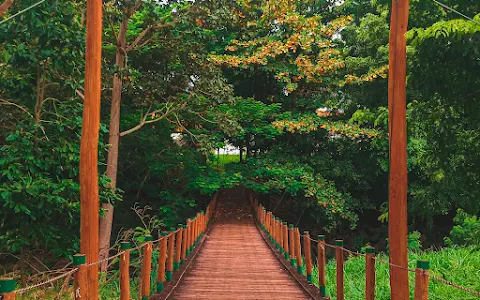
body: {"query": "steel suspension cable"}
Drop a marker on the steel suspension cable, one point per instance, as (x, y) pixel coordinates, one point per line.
(22, 11)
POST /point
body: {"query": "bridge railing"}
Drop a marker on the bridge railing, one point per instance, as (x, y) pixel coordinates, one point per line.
(174, 247)
(296, 248)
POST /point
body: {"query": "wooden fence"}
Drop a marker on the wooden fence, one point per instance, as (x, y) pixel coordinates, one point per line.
(173, 249)
(297, 247)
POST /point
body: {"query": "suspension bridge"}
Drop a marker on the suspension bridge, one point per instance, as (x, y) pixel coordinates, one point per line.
(235, 249)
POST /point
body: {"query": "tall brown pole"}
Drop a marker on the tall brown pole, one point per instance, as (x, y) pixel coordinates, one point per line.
(5, 6)
(397, 208)
(89, 146)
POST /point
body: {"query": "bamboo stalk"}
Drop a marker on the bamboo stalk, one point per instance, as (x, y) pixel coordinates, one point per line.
(308, 255)
(147, 267)
(340, 272)
(322, 263)
(370, 274)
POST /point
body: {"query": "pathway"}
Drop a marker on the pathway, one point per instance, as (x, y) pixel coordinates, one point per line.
(235, 262)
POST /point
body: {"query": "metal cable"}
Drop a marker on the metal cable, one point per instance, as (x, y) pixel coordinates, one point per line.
(456, 11)
(22, 11)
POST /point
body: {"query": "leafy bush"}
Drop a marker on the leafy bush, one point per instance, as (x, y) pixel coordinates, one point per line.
(39, 190)
(466, 232)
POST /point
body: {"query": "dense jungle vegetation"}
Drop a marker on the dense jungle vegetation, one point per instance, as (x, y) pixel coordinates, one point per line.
(299, 86)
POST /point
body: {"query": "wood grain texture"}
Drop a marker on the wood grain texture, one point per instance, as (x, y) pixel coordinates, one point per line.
(236, 263)
(89, 199)
(397, 217)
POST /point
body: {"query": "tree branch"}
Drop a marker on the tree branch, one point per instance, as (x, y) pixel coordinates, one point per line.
(138, 38)
(6, 102)
(80, 94)
(162, 24)
(144, 121)
(135, 8)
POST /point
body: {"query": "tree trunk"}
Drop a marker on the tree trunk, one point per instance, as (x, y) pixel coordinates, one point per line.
(113, 140)
(5, 6)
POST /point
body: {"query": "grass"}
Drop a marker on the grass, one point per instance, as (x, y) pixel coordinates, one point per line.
(458, 265)
(224, 159)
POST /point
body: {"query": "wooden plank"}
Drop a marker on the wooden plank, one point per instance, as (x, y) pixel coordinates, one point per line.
(236, 263)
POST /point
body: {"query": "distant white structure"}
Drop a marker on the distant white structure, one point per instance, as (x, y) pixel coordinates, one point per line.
(328, 112)
(228, 149)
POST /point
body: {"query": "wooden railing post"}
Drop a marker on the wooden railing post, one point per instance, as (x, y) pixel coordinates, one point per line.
(264, 217)
(147, 267)
(124, 271)
(197, 228)
(370, 273)
(292, 244)
(162, 259)
(269, 228)
(421, 280)
(171, 243)
(272, 229)
(178, 247)
(188, 237)
(80, 277)
(193, 233)
(340, 275)
(308, 255)
(280, 236)
(285, 241)
(7, 288)
(298, 251)
(322, 269)
(183, 257)
(203, 222)
(275, 236)
(194, 230)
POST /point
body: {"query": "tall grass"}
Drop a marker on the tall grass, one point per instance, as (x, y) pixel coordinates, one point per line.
(456, 264)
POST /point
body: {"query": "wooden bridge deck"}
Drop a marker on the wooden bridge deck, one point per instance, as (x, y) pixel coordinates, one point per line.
(235, 262)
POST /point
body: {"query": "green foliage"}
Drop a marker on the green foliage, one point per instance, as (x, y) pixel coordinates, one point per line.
(466, 232)
(413, 242)
(458, 265)
(39, 191)
(217, 72)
